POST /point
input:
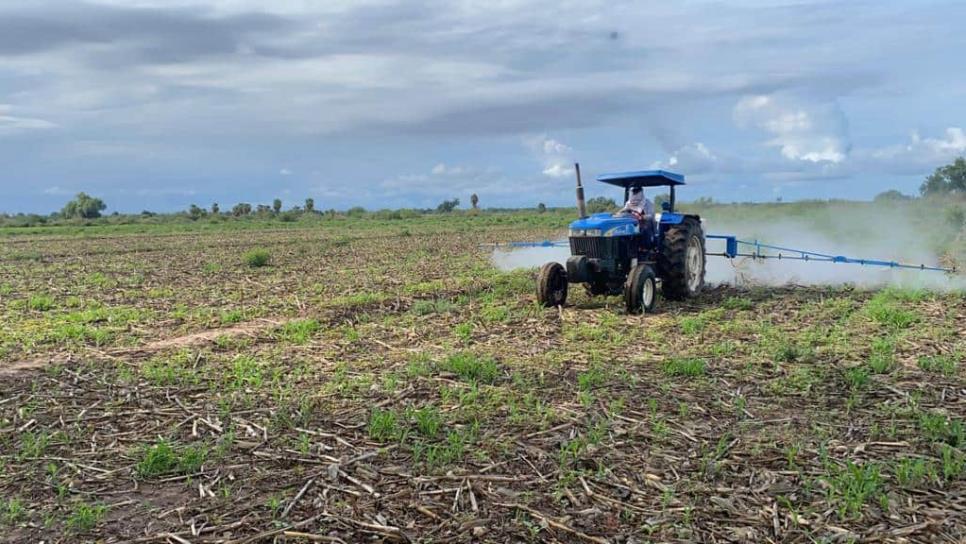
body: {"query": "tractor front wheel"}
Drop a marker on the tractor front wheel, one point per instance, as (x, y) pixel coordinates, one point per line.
(552, 285)
(640, 290)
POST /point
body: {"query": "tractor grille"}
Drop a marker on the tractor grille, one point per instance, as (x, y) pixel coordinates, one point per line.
(593, 247)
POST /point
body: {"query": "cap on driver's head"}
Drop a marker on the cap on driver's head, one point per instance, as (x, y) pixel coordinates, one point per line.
(636, 189)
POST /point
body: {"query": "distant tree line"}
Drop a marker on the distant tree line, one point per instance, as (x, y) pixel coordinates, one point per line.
(946, 181)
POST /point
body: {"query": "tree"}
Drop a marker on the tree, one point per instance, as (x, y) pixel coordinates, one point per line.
(83, 206)
(541, 207)
(447, 206)
(240, 209)
(195, 213)
(277, 205)
(946, 179)
(474, 200)
(891, 195)
(309, 205)
(215, 209)
(263, 209)
(600, 204)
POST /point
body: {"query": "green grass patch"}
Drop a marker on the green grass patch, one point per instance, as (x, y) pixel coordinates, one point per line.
(852, 486)
(299, 331)
(257, 258)
(936, 427)
(686, 367)
(427, 307)
(85, 517)
(857, 378)
(471, 367)
(938, 364)
(882, 357)
(737, 303)
(911, 472)
(162, 458)
(40, 303)
(428, 420)
(886, 311)
(12, 511)
(384, 425)
(230, 317)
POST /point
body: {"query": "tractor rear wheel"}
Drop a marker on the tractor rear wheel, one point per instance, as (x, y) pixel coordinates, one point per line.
(640, 290)
(681, 261)
(552, 285)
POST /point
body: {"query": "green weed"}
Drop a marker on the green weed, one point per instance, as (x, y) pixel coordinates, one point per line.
(857, 378)
(471, 367)
(257, 258)
(299, 331)
(384, 426)
(230, 317)
(428, 420)
(12, 511)
(464, 331)
(939, 364)
(427, 307)
(591, 379)
(936, 427)
(163, 458)
(40, 303)
(684, 367)
(913, 471)
(737, 303)
(851, 486)
(84, 517)
(885, 311)
(33, 445)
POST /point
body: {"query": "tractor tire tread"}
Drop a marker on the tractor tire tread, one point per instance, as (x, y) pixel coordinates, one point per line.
(673, 259)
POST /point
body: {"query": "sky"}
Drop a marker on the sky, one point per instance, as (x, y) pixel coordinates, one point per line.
(156, 105)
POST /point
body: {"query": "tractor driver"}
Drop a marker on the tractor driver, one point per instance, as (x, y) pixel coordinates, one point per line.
(637, 205)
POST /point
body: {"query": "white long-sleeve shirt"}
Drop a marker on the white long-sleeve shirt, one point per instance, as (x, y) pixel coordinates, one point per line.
(636, 202)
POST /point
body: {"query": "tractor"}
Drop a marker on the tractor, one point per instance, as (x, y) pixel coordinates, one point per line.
(614, 254)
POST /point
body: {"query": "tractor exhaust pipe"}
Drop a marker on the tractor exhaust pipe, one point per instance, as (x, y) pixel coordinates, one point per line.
(581, 205)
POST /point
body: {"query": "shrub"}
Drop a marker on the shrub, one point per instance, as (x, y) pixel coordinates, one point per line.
(601, 204)
(257, 258)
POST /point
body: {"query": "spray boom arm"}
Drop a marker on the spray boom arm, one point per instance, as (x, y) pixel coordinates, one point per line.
(759, 251)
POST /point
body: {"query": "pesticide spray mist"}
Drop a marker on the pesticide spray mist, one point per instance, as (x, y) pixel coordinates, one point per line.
(873, 232)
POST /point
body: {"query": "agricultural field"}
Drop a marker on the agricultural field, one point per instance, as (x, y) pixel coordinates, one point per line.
(380, 380)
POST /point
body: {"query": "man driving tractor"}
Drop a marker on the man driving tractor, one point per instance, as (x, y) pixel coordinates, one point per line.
(637, 205)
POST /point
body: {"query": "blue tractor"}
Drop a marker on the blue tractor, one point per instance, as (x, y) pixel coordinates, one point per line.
(630, 255)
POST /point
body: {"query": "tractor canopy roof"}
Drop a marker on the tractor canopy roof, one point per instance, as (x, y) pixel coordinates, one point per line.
(642, 178)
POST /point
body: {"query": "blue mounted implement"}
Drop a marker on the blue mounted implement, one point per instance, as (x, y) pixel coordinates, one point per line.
(634, 254)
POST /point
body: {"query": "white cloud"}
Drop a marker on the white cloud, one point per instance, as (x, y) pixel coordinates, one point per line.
(57, 191)
(693, 159)
(442, 169)
(285, 172)
(801, 131)
(557, 157)
(11, 124)
(929, 149)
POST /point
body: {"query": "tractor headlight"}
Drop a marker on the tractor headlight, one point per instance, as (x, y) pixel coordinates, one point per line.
(592, 232)
(576, 232)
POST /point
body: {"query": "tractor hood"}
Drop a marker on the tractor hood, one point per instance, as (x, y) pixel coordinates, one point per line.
(604, 224)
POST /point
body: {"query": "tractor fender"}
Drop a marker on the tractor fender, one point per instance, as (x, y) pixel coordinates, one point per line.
(672, 218)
